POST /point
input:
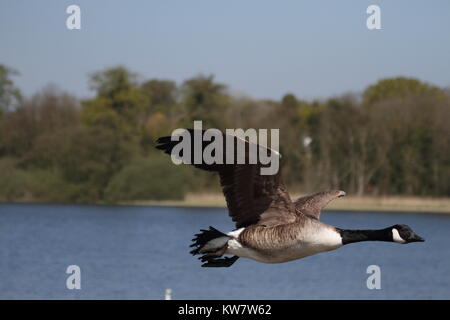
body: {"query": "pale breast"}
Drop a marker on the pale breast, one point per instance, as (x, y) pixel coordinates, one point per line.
(312, 238)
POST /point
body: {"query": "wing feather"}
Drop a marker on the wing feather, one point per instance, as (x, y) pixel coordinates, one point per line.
(251, 198)
(311, 205)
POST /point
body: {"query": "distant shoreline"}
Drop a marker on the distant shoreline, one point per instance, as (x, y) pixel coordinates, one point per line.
(350, 203)
(347, 203)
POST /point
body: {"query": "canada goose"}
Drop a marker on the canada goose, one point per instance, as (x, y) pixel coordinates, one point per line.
(270, 227)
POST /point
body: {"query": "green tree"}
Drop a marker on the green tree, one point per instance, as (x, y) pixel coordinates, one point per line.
(119, 103)
(43, 114)
(10, 95)
(205, 100)
(153, 178)
(399, 87)
(115, 121)
(161, 94)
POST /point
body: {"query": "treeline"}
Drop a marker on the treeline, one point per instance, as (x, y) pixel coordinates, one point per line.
(392, 139)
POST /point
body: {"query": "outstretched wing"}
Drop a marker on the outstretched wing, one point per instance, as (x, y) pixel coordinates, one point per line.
(311, 205)
(251, 198)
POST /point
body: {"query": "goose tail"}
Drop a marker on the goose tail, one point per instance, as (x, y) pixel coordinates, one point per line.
(212, 244)
(209, 241)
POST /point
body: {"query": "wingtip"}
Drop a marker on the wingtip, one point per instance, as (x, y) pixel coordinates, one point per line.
(163, 139)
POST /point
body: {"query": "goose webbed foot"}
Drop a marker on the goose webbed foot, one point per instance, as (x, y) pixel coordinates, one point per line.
(218, 262)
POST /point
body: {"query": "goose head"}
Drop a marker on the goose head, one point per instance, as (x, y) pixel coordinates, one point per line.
(401, 233)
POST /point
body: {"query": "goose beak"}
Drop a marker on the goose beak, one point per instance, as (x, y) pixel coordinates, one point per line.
(416, 238)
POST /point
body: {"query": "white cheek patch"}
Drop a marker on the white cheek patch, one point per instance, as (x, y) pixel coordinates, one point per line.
(396, 236)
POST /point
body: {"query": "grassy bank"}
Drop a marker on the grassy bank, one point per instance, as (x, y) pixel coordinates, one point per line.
(405, 204)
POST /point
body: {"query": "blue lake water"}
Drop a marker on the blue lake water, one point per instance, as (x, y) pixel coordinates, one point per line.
(137, 252)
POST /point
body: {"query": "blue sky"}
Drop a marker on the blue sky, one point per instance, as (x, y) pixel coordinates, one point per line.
(314, 48)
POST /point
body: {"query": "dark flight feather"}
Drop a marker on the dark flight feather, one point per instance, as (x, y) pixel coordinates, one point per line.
(251, 198)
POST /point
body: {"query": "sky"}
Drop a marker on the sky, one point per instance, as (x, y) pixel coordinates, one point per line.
(264, 49)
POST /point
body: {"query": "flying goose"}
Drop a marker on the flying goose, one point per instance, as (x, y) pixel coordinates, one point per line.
(270, 227)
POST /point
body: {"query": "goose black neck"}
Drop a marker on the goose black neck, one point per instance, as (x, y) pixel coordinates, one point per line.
(350, 236)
